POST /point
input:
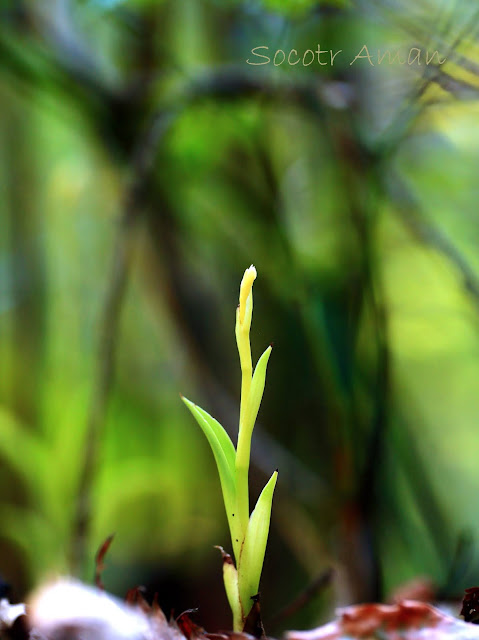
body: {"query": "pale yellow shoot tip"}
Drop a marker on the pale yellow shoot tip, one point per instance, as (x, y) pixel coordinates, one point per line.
(245, 289)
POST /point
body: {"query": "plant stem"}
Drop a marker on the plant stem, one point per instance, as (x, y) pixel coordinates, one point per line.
(243, 324)
(244, 438)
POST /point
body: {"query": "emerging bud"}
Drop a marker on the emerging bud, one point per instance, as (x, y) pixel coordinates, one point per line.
(245, 289)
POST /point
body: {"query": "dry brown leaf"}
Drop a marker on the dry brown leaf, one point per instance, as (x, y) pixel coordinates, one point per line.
(408, 620)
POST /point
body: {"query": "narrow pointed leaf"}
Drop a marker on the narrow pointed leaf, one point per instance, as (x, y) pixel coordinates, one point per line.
(248, 413)
(223, 437)
(223, 451)
(254, 546)
(256, 391)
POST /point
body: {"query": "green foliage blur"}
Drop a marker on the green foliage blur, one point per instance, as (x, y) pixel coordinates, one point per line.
(144, 164)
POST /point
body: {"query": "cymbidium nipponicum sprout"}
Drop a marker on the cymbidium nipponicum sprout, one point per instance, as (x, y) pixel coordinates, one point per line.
(249, 533)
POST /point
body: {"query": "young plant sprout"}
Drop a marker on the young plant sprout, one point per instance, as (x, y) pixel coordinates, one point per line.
(249, 534)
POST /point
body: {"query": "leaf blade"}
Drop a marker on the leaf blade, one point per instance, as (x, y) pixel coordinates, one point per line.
(256, 390)
(224, 455)
(223, 437)
(254, 546)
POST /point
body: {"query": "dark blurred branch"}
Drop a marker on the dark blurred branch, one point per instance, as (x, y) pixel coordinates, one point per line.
(32, 55)
(56, 49)
(40, 49)
(53, 22)
(368, 490)
(410, 212)
(322, 581)
(232, 82)
(109, 331)
(410, 466)
(415, 104)
(459, 566)
(457, 87)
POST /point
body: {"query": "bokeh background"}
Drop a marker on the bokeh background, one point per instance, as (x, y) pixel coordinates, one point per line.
(143, 166)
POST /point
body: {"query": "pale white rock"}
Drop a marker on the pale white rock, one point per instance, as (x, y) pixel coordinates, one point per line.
(10, 612)
(66, 608)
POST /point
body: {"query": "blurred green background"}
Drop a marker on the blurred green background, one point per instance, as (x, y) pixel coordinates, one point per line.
(143, 166)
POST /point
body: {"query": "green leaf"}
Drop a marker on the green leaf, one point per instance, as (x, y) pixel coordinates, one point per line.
(256, 391)
(254, 546)
(247, 420)
(224, 453)
(220, 433)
